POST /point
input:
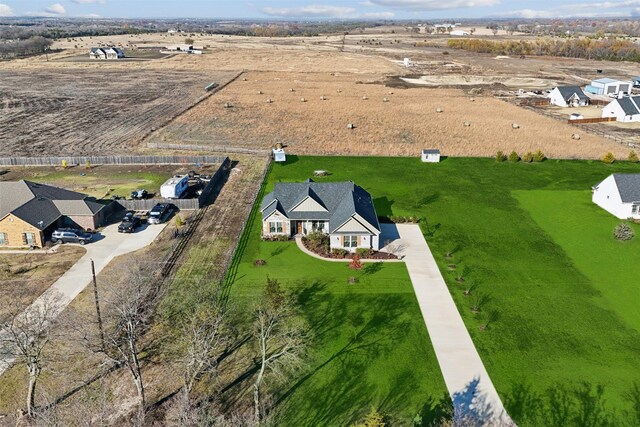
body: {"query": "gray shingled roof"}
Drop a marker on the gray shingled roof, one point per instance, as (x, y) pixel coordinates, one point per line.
(568, 91)
(341, 199)
(435, 151)
(628, 106)
(40, 205)
(628, 186)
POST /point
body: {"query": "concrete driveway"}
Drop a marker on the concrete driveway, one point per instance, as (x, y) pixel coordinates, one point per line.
(108, 245)
(475, 399)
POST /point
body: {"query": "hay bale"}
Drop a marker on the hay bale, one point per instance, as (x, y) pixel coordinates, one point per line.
(472, 99)
(303, 100)
(385, 99)
(515, 126)
(269, 100)
(364, 98)
(439, 110)
(390, 93)
(259, 92)
(339, 91)
(323, 98)
(227, 105)
(291, 90)
(351, 126)
(467, 124)
(575, 136)
(244, 79)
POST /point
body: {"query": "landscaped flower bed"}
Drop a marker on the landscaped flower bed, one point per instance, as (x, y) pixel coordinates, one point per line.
(318, 243)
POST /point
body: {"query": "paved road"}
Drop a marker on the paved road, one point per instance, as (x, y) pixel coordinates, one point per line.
(110, 245)
(467, 380)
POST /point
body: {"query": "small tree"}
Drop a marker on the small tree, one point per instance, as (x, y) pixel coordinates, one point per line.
(188, 40)
(64, 164)
(355, 263)
(633, 157)
(372, 419)
(539, 156)
(608, 158)
(513, 157)
(623, 232)
(179, 222)
(500, 157)
(527, 157)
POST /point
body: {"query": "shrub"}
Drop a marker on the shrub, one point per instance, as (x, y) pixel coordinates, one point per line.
(260, 262)
(528, 157)
(363, 252)
(318, 241)
(500, 157)
(513, 157)
(623, 232)
(179, 222)
(339, 253)
(633, 157)
(64, 164)
(608, 158)
(538, 156)
(355, 263)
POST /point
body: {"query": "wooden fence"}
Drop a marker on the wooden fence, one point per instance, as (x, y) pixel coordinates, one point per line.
(111, 160)
(534, 102)
(593, 120)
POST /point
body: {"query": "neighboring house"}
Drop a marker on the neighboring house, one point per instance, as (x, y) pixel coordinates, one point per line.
(343, 210)
(430, 156)
(619, 194)
(106, 53)
(459, 33)
(624, 109)
(568, 96)
(608, 86)
(184, 48)
(29, 212)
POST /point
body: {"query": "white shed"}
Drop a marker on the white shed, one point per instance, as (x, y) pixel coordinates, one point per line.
(279, 155)
(619, 194)
(431, 156)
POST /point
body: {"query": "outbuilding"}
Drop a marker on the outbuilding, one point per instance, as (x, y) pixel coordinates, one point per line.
(608, 86)
(619, 194)
(279, 155)
(568, 96)
(431, 156)
(625, 109)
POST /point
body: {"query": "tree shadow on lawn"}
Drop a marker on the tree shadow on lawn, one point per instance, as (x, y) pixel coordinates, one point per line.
(337, 390)
(383, 206)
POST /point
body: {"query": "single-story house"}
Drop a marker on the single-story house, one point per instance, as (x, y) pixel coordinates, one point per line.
(106, 53)
(608, 86)
(29, 212)
(619, 194)
(624, 109)
(568, 96)
(343, 210)
(430, 156)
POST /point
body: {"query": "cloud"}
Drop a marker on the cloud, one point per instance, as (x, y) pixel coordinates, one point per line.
(434, 4)
(314, 11)
(578, 10)
(88, 1)
(56, 9)
(377, 15)
(5, 10)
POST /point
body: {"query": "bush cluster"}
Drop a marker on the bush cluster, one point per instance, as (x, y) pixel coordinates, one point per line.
(633, 157)
(317, 241)
(608, 158)
(528, 157)
(277, 238)
(623, 232)
(395, 219)
(364, 252)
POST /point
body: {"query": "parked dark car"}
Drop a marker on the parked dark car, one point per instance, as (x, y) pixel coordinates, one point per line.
(129, 223)
(71, 235)
(158, 213)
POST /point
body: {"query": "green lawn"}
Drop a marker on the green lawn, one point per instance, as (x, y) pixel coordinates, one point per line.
(557, 293)
(369, 347)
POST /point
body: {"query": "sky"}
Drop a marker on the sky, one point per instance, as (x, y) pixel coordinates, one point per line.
(322, 9)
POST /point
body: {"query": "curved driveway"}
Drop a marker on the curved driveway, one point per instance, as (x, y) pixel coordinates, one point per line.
(109, 245)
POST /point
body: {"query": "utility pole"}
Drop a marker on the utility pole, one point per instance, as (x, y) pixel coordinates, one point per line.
(97, 301)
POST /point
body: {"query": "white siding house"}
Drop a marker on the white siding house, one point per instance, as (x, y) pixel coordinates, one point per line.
(619, 194)
(624, 109)
(342, 210)
(106, 53)
(430, 156)
(608, 86)
(565, 96)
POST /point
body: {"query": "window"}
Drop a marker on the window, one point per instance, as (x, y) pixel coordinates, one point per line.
(317, 226)
(350, 241)
(3, 239)
(635, 208)
(275, 227)
(29, 239)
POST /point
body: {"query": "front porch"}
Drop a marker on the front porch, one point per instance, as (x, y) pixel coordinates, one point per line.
(304, 227)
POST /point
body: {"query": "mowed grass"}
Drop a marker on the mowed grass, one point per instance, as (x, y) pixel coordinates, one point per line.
(369, 344)
(558, 328)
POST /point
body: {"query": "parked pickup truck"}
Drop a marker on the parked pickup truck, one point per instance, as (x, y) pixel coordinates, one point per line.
(129, 223)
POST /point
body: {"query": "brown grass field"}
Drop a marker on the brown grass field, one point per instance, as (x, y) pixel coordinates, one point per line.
(403, 126)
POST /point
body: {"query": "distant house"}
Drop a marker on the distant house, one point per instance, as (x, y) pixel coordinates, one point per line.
(608, 86)
(183, 48)
(619, 194)
(106, 53)
(29, 212)
(430, 156)
(459, 33)
(343, 210)
(624, 109)
(568, 96)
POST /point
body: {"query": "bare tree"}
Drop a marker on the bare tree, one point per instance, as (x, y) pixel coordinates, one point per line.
(280, 338)
(24, 337)
(131, 308)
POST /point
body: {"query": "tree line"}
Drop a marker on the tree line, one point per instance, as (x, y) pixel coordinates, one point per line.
(17, 48)
(610, 49)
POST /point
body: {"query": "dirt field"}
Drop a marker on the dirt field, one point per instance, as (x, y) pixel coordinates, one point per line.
(404, 125)
(88, 111)
(24, 277)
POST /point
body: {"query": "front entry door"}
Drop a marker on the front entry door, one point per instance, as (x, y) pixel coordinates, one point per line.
(299, 227)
